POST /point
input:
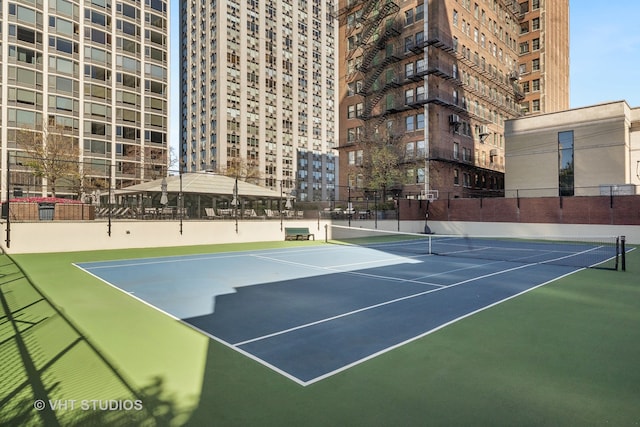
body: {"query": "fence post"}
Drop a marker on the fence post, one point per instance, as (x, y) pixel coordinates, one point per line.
(611, 196)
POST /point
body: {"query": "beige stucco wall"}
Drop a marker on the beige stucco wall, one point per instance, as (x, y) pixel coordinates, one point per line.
(41, 237)
(603, 150)
(66, 236)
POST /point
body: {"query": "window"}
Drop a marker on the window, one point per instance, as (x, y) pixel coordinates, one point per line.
(97, 73)
(62, 65)
(536, 85)
(97, 128)
(62, 26)
(24, 96)
(535, 44)
(565, 163)
(524, 47)
(535, 64)
(420, 12)
(128, 27)
(408, 43)
(64, 6)
(408, 96)
(456, 177)
(351, 112)
(535, 24)
(99, 110)
(408, 17)
(420, 121)
(535, 105)
(27, 35)
(128, 10)
(351, 135)
(408, 69)
(63, 45)
(63, 84)
(351, 89)
(409, 123)
(522, 69)
(410, 150)
(25, 55)
(456, 150)
(158, 5)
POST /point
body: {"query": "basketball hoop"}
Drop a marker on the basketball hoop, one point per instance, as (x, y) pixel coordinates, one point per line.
(430, 195)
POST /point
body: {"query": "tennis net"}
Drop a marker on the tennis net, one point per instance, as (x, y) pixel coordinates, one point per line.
(574, 251)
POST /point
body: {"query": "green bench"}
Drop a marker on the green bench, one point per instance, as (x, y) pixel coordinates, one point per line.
(299, 233)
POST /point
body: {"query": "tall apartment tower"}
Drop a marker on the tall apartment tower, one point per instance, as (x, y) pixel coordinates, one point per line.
(258, 89)
(544, 56)
(96, 71)
(429, 83)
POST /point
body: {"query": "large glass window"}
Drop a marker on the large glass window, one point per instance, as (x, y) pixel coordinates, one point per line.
(565, 163)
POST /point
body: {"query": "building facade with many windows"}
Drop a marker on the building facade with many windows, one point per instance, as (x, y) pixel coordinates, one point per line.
(258, 93)
(544, 56)
(94, 72)
(429, 84)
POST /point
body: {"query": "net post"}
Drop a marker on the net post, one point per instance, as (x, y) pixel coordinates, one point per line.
(623, 253)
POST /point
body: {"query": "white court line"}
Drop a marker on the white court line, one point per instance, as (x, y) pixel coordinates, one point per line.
(336, 269)
(371, 307)
(437, 328)
(169, 259)
(345, 367)
(213, 337)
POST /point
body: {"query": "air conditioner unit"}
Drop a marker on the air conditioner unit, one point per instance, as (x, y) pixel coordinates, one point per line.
(454, 119)
(493, 152)
(483, 130)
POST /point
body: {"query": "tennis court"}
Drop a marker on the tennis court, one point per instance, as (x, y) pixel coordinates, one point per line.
(311, 312)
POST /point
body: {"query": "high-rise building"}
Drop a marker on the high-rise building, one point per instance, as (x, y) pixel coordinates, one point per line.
(94, 72)
(544, 56)
(425, 89)
(258, 93)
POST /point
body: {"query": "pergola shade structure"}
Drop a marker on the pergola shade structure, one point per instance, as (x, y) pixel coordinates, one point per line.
(200, 191)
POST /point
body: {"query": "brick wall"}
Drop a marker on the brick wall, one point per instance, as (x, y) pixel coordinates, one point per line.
(62, 211)
(617, 210)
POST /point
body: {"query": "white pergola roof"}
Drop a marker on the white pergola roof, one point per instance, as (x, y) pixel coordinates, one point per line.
(202, 183)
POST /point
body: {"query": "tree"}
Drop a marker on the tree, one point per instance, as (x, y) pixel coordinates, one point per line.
(383, 163)
(240, 168)
(384, 167)
(52, 154)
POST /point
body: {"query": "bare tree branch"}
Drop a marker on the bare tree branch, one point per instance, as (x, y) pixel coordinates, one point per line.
(52, 154)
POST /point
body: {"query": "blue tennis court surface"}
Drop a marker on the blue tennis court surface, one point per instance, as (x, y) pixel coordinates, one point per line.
(309, 313)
